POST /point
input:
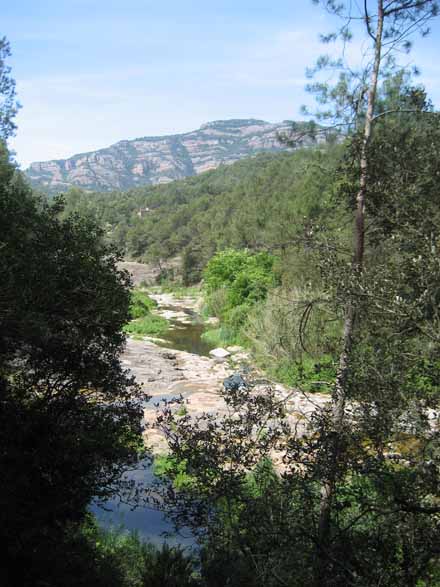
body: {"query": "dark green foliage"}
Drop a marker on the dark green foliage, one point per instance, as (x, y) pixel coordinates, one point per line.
(307, 373)
(70, 416)
(261, 528)
(168, 567)
(235, 281)
(90, 555)
(191, 266)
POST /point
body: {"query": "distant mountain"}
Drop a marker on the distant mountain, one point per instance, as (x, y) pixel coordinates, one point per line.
(154, 160)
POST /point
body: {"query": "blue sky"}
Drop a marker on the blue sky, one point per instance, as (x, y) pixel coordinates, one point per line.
(90, 73)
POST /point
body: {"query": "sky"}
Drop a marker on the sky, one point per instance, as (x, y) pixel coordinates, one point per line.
(92, 72)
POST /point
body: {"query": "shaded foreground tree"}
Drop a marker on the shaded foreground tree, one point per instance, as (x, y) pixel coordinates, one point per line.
(249, 483)
(70, 416)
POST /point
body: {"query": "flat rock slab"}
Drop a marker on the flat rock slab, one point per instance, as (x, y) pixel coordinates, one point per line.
(140, 272)
(234, 349)
(177, 315)
(169, 299)
(219, 353)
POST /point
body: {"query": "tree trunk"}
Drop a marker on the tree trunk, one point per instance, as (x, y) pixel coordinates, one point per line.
(339, 393)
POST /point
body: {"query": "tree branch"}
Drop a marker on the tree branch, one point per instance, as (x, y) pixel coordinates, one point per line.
(406, 6)
(367, 21)
(403, 111)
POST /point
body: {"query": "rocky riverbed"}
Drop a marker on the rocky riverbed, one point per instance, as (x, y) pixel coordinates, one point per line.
(165, 373)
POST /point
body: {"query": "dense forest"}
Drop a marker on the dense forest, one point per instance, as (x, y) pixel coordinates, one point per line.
(244, 205)
(325, 263)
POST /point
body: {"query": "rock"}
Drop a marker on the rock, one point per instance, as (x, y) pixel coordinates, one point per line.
(153, 160)
(155, 339)
(140, 272)
(234, 382)
(219, 353)
(242, 357)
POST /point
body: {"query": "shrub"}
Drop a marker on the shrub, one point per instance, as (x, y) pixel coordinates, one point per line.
(245, 276)
(141, 304)
(234, 282)
(118, 558)
(285, 348)
(168, 567)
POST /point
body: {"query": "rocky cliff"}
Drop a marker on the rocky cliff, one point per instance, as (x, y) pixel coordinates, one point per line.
(152, 160)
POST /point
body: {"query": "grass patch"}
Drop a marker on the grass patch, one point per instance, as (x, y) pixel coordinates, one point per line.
(148, 325)
(222, 336)
(144, 322)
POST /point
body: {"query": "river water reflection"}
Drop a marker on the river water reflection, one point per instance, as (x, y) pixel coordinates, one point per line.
(186, 335)
(149, 523)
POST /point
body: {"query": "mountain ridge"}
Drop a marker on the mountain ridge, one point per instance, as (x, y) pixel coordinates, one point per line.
(151, 160)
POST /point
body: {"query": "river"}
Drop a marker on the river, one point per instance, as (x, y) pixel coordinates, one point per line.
(176, 364)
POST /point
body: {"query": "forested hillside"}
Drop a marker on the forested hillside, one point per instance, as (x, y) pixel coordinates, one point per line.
(258, 203)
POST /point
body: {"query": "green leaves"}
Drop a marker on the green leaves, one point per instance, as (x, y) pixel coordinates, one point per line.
(236, 280)
(141, 304)
(8, 103)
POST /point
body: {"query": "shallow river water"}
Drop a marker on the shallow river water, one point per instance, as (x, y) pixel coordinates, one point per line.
(186, 334)
(151, 524)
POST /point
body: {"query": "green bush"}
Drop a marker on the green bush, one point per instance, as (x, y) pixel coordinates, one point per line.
(140, 304)
(308, 373)
(118, 558)
(168, 567)
(245, 276)
(234, 282)
(223, 268)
